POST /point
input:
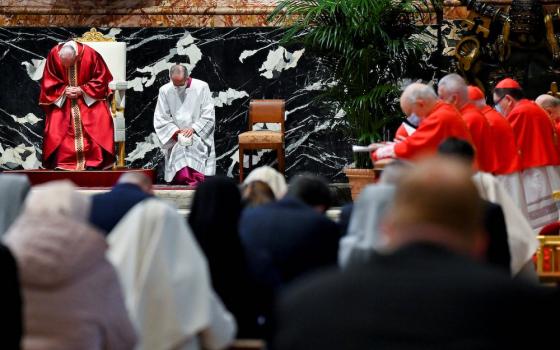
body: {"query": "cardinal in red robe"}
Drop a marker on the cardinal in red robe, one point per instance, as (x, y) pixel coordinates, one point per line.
(74, 92)
(438, 121)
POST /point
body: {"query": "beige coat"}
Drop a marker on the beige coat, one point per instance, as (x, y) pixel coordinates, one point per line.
(72, 296)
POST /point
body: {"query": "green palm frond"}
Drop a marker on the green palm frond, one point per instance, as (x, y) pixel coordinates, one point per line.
(366, 45)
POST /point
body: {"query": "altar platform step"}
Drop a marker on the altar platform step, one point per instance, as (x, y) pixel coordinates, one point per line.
(181, 197)
(82, 178)
(99, 181)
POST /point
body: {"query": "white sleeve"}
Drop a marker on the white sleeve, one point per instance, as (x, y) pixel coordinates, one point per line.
(88, 99)
(164, 124)
(204, 127)
(222, 329)
(60, 101)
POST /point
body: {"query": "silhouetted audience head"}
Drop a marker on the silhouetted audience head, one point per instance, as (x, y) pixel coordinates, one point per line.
(139, 179)
(312, 190)
(394, 171)
(437, 201)
(271, 177)
(14, 189)
(454, 147)
(257, 193)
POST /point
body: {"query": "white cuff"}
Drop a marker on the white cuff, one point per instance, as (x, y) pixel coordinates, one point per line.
(386, 152)
(88, 99)
(60, 101)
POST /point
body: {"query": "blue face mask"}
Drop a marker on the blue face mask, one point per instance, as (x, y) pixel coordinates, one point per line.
(413, 119)
(499, 109)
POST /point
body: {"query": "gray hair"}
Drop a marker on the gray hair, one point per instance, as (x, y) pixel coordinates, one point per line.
(178, 67)
(547, 101)
(455, 84)
(418, 91)
(66, 50)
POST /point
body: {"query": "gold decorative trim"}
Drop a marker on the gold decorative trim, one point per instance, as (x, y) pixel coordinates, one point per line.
(77, 121)
(94, 36)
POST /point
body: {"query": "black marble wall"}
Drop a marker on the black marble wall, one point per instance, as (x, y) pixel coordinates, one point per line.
(239, 64)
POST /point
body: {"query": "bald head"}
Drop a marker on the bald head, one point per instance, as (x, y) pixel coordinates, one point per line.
(453, 89)
(139, 179)
(178, 74)
(67, 55)
(418, 99)
(550, 104)
(437, 201)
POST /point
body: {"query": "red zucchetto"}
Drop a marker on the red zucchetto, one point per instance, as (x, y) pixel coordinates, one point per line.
(475, 93)
(508, 83)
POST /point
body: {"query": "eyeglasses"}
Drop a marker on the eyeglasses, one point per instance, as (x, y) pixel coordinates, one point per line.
(499, 100)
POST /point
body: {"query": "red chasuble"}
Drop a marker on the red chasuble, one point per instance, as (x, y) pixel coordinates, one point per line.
(444, 121)
(77, 136)
(481, 136)
(535, 135)
(508, 160)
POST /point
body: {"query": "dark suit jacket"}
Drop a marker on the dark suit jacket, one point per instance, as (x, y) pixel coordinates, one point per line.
(107, 209)
(420, 297)
(287, 239)
(498, 252)
(10, 301)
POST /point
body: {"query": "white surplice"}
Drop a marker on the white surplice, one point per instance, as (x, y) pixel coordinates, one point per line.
(166, 282)
(522, 240)
(176, 109)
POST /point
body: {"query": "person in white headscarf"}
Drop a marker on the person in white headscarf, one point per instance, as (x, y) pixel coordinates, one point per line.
(14, 188)
(364, 230)
(71, 293)
(271, 177)
(166, 282)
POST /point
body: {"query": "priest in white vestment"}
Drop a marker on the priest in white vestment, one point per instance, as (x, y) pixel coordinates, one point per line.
(184, 122)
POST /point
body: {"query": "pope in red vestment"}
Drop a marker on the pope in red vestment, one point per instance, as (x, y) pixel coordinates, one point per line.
(78, 127)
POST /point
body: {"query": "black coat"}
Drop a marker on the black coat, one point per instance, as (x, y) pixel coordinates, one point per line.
(107, 209)
(420, 297)
(10, 300)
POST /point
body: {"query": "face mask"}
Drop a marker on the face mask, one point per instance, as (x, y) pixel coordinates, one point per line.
(181, 88)
(500, 110)
(413, 119)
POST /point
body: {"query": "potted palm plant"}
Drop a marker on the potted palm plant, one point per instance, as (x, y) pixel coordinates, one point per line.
(368, 48)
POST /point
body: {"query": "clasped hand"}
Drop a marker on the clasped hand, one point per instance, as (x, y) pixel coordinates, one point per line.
(187, 132)
(73, 92)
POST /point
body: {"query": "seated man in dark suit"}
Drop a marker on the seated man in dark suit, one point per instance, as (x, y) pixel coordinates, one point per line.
(108, 208)
(429, 292)
(287, 239)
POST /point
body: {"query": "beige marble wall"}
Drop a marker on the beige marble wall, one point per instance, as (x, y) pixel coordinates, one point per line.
(159, 13)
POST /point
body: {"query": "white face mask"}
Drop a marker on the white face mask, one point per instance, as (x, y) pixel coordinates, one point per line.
(413, 119)
(181, 88)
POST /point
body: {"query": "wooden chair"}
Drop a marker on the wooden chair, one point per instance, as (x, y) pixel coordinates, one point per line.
(263, 111)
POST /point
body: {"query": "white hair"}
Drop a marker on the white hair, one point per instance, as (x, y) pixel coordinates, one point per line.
(480, 103)
(547, 101)
(455, 84)
(418, 91)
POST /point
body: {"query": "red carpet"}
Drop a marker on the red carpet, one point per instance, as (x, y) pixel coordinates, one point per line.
(87, 178)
